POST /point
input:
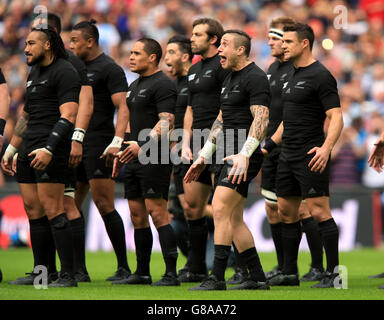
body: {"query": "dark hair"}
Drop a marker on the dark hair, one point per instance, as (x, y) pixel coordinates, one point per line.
(151, 46)
(281, 22)
(89, 29)
(54, 21)
(242, 39)
(214, 28)
(57, 45)
(184, 44)
(304, 31)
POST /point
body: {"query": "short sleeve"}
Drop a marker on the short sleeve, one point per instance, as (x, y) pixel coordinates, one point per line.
(257, 86)
(165, 97)
(81, 69)
(116, 80)
(327, 91)
(68, 85)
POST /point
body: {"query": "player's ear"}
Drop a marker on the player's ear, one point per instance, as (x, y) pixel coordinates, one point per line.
(185, 57)
(213, 40)
(152, 58)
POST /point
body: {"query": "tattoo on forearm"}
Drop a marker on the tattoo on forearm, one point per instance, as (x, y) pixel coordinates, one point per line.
(216, 129)
(21, 125)
(260, 122)
(165, 124)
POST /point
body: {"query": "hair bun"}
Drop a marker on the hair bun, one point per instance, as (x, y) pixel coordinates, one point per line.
(92, 21)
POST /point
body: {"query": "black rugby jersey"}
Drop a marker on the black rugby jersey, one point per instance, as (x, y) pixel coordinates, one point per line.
(146, 98)
(181, 102)
(80, 67)
(278, 73)
(106, 78)
(307, 95)
(241, 90)
(205, 79)
(47, 89)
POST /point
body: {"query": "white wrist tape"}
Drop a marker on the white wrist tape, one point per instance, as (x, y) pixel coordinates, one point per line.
(10, 152)
(78, 135)
(116, 143)
(249, 147)
(208, 150)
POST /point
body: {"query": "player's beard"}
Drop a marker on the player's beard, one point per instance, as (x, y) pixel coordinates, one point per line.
(36, 60)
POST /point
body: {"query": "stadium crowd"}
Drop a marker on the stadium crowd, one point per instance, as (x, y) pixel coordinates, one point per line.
(349, 43)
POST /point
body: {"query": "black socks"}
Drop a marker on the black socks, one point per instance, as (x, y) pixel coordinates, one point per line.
(276, 231)
(143, 243)
(291, 236)
(115, 229)
(311, 229)
(198, 235)
(220, 261)
(167, 240)
(62, 235)
(330, 235)
(78, 231)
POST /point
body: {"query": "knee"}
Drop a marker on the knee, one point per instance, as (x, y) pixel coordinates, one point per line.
(34, 210)
(272, 213)
(219, 215)
(139, 220)
(103, 204)
(191, 209)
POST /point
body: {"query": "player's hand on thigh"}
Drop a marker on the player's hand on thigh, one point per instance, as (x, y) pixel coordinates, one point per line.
(319, 160)
(76, 154)
(129, 153)
(238, 172)
(42, 158)
(195, 170)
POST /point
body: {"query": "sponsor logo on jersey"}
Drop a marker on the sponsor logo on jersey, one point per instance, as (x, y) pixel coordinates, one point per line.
(29, 83)
(128, 94)
(208, 74)
(299, 85)
(269, 76)
(191, 76)
(183, 92)
(141, 93)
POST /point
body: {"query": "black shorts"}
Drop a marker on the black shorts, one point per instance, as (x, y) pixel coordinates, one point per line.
(54, 173)
(268, 176)
(205, 176)
(81, 174)
(95, 168)
(178, 178)
(221, 178)
(295, 179)
(147, 181)
(70, 180)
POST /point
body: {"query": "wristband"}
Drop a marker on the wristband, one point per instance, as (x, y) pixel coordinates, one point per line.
(208, 150)
(78, 135)
(10, 151)
(2, 126)
(116, 143)
(249, 147)
(269, 145)
(60, 132)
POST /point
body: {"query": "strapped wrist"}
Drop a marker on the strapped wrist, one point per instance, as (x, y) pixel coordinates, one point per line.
(208, 150)
(249, 147)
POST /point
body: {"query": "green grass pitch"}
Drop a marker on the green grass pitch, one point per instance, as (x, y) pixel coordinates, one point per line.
(360, 264)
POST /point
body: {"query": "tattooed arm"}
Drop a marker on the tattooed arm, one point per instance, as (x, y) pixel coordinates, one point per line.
(209, 148)
(163, 126)
(257, 133)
